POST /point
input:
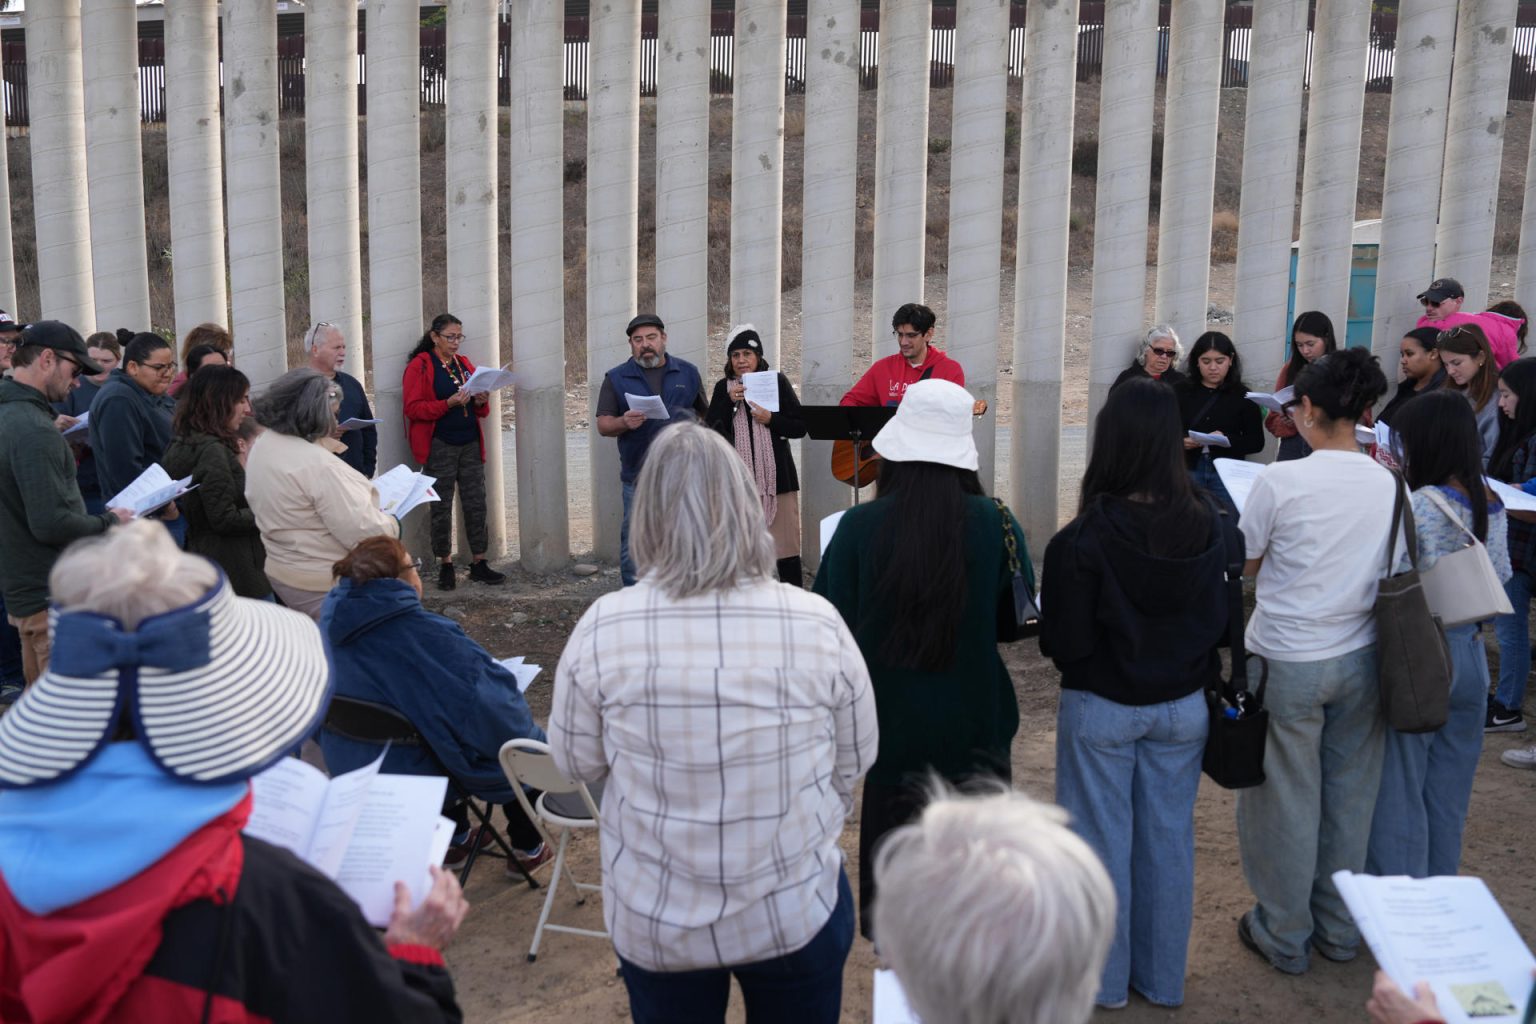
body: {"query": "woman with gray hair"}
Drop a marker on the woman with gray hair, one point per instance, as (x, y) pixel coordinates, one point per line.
(311, 507)
(1027, 911)
(1156, 357)
(731, 716)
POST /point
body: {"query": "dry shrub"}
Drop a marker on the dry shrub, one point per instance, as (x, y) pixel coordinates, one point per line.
(1223, 236)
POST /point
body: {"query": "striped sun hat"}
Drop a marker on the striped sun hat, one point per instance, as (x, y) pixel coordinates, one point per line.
(217, 691)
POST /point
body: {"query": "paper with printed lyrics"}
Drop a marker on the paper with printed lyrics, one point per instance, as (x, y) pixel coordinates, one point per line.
(365, 830)
(1237, 476)
(486, 379)
(1275, 402)
(400, 490)
(524, 673)
(652, 405)
(891, 1006)
(1448, 931)
(153, 489)
(1514, 498)
(762, 388)
(354, 423)
(1210, 440)
(82, 425)
(829, 527)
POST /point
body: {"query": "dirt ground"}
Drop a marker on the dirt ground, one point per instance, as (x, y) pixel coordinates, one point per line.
(574, 980)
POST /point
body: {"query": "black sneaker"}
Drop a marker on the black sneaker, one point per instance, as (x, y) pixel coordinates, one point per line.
(446, 580)
(1503, 719)
(481, 572)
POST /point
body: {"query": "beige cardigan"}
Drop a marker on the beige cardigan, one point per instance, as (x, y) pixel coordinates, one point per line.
(311, 507)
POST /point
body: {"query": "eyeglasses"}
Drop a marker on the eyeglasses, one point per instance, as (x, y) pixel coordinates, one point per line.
(450, 337)
(415, 564)
(1166, 353)
(163, 369)
(908, 335)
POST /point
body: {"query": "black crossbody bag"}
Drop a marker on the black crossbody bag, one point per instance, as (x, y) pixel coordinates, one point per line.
(1234, 748)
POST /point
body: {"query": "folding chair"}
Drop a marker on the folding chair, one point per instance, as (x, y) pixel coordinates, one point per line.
(564, 804)
(370, 722)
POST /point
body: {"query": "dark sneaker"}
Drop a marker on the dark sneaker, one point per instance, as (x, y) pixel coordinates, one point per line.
(481, 572)
(446, 579)
(531, 861)
(459, 849)
(1283, 964)
(1502, 719)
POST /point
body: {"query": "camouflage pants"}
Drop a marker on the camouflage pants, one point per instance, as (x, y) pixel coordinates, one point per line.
(457, 466)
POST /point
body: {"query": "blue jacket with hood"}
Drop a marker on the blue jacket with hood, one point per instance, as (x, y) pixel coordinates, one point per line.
(388, 649)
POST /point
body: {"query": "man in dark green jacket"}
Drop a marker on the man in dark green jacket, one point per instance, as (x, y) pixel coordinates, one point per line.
(41, 511)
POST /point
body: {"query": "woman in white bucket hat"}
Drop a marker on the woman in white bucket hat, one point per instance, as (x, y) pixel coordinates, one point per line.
(918, 574)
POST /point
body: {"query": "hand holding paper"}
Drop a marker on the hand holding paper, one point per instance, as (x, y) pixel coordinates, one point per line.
(1274, 402)
(486, 379)
(1210, 440)
(401, 490)
(651, 405)
(762, 389)
(153, 489)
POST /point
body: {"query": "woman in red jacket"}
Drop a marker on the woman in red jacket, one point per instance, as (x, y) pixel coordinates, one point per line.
(442, 423)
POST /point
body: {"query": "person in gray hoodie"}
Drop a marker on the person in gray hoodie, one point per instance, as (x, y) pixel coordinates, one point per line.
(41, 511)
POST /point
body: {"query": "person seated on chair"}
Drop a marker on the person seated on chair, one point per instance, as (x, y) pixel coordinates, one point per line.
(165, 695)
(388, 649)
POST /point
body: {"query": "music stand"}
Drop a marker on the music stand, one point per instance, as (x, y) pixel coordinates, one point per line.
(856, 423)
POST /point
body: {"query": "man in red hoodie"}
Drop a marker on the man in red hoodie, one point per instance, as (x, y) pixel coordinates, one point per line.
(887, 381)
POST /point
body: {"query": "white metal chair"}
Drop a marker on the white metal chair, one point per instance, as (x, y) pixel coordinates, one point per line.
(564, 804)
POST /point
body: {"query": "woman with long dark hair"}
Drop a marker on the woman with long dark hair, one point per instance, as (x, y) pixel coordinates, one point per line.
(1426, 778)
(1312, 338)
(1419, 361)
(1514, 461)
(442, 423)
(918, 574)
(1472, 371)
(1136, 587)
(205, 446)
(761, 438)
(1213, 400)
(1316, 532)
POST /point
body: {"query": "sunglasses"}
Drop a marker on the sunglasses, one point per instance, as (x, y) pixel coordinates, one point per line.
(75, 368)
(1166, 353)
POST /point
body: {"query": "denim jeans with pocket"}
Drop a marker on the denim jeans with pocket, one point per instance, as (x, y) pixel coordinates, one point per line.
(1514, 633)
(626, 560)
(1426, 778)
(1128, 776)
(1312, 815)
(803, 987)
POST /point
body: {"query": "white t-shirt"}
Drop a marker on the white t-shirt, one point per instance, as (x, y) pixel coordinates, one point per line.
(1321, 526)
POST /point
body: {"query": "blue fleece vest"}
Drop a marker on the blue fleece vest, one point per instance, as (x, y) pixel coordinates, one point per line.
(679, 387)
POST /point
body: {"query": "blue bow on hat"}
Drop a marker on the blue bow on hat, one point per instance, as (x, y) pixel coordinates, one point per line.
(86, 645)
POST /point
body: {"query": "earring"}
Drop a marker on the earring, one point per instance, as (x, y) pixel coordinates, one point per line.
(1309, 423)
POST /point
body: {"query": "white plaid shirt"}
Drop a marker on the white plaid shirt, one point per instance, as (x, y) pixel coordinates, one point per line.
(730, 730)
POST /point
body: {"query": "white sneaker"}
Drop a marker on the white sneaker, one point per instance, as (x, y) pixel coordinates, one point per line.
(1520, 757)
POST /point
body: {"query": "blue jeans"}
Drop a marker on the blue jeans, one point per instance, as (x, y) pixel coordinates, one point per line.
(1204, 475)
(626, 563)
(803, 987)
(1514, 633)
(1426, 778)
(1293, 447)
(1312, 815)
(1128, 776)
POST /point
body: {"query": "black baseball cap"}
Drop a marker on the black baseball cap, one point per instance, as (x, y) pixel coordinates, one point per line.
(1442, 288)
(60, 337)
(645, 320)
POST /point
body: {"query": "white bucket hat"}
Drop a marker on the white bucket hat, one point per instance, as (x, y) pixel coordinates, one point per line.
(932, 424)
(217, 691)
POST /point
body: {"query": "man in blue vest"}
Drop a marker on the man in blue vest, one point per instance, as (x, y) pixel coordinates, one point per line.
(648, 372)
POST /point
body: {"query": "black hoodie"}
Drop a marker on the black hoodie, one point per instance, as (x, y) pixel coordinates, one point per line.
(1126, 624)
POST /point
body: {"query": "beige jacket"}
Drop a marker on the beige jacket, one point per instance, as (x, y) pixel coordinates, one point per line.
(311, 507)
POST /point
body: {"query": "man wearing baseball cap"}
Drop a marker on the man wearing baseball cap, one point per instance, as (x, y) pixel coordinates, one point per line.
(648, 371)
(41, 511)
(1443, 297)
(1442, 302)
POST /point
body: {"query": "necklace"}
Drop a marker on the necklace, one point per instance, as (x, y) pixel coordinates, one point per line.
(455, 374)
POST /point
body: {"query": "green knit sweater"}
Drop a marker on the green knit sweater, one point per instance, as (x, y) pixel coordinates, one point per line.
(957, 722)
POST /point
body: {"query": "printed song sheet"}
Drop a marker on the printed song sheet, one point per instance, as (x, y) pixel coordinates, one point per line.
(762, 388)
(1238, 477)
(652, 405)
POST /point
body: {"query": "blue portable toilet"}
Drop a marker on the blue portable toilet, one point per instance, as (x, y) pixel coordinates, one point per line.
(1362, 287)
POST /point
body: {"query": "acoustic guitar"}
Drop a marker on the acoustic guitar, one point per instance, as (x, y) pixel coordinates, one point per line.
(868, 460)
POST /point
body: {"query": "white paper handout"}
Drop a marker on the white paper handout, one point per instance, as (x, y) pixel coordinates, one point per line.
(762, 388)
(1273, 402)
(828, 528)
(1448, 931)
(1513, 497)
(82, 425)
(364, 829)
(153, 489)
(525, 673)
(1210, 440)
(486, 379)
(354, 423)
(1237, 477)
(891, 1006)
(652, 405)
(401, 490)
